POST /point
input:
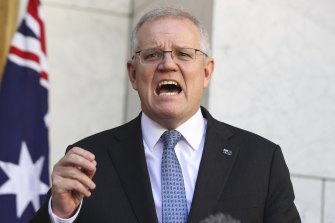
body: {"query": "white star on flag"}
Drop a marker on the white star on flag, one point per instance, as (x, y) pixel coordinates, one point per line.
(24, 181)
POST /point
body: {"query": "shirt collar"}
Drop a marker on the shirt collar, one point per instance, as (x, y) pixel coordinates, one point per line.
(192, 130)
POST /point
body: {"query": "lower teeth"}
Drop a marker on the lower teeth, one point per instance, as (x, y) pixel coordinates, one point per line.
(168, 93)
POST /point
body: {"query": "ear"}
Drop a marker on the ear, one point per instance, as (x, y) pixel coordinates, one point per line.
(208, 72)
(132, 73)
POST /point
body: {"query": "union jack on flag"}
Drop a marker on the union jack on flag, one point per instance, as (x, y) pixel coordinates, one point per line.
(24, 158)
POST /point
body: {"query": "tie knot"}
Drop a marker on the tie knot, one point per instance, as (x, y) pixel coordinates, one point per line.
(170, 139)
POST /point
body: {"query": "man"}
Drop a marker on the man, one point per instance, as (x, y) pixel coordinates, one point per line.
(120, 175)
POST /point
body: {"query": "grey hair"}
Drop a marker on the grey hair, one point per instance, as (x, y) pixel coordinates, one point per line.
(160, 13)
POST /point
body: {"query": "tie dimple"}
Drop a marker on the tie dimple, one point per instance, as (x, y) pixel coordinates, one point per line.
(174, 204)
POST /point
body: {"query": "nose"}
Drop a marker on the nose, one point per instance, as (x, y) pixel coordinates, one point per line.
(167, 62)
(167, 51)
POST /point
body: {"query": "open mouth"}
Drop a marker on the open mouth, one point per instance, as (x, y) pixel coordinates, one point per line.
(167, 88)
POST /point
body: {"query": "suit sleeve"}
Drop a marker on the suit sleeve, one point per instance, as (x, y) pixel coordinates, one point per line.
(280, 205)
(42, 215)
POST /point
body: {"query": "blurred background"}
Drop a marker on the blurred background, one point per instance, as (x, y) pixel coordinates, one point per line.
(274, 75)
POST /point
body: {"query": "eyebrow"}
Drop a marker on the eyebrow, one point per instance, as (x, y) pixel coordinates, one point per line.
(173, 48)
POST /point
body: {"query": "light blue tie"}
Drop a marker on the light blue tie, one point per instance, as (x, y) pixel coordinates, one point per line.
(173, 190)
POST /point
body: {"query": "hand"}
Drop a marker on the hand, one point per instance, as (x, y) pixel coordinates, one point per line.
(71, 181)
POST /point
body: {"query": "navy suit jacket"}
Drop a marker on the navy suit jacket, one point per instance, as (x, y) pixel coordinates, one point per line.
(240, 173)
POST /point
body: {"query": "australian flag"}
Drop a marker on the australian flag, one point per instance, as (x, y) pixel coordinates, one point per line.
(24, 175)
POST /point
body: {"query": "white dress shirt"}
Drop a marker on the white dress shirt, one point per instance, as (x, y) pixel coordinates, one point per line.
(188, 150)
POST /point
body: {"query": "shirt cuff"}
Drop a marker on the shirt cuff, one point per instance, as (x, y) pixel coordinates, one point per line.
(55, 219)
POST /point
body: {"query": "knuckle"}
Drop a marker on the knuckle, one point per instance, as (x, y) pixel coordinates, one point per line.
(56, 181)
(70, 156)
(73, 158)
(73, 173)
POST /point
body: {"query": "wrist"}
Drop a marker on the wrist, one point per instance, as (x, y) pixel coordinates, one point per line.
(63, 212)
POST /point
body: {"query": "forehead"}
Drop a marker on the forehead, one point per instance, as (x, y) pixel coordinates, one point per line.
(171, 31)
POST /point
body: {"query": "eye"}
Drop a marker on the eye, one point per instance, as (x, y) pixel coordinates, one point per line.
(151, 55)
(184, 54)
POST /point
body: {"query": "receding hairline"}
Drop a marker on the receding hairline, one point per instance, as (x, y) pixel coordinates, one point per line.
(170, 13)
(168, 19)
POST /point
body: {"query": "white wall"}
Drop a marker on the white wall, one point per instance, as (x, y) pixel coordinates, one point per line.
(275, 76)
(87, 48)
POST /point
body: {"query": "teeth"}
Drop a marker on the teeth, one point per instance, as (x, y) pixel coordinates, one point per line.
(168, 88)
(167, 82)
(168, 93)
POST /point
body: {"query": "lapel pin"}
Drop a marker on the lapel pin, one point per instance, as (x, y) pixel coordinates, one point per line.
(227, 152)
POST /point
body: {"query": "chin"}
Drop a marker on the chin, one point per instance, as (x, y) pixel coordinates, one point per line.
(169, 109)
(168, 114)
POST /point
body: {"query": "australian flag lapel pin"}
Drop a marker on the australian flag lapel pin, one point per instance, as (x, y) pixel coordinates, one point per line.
(227, 152)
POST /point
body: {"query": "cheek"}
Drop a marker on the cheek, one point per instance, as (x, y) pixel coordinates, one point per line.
(194, 88)
(197, 81)
(144, 83)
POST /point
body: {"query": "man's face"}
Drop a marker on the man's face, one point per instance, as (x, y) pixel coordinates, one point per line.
(170, 92)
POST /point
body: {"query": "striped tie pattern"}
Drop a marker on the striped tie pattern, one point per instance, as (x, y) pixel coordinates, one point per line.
(174, 204)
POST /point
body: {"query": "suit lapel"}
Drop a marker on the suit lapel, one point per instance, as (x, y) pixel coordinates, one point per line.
(214, 170)
(129, 160)
(127, 155)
